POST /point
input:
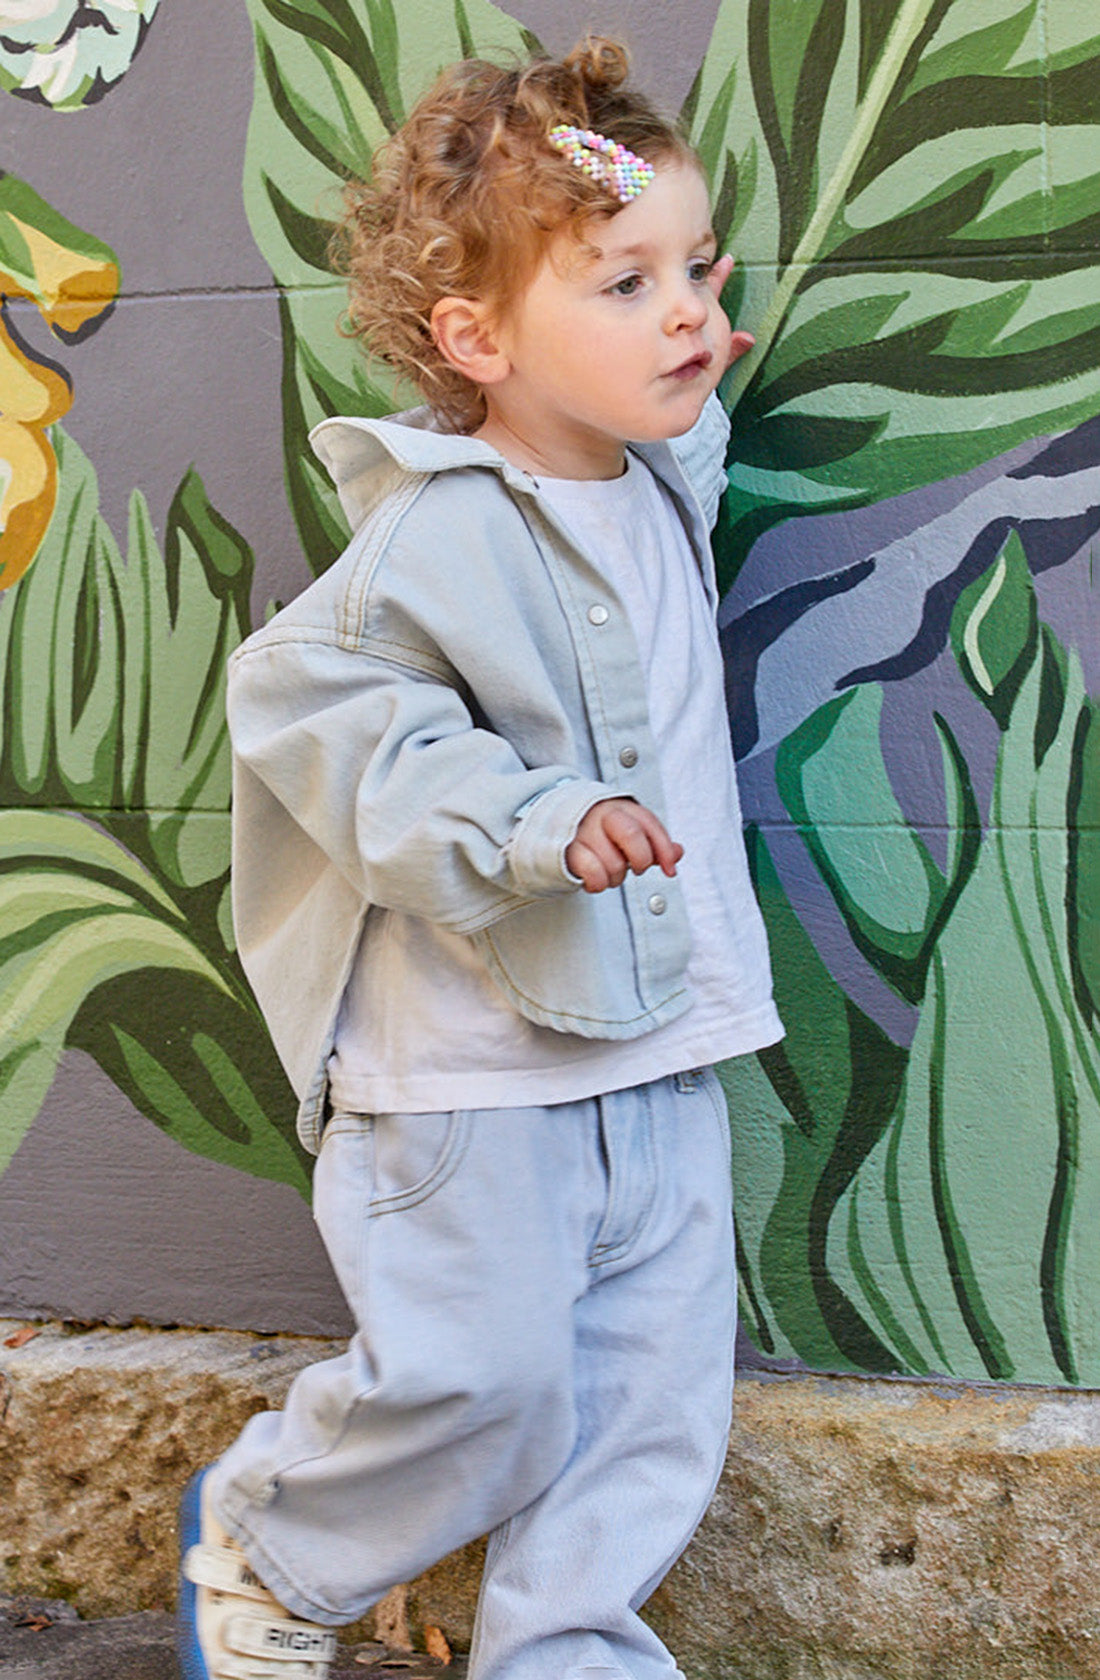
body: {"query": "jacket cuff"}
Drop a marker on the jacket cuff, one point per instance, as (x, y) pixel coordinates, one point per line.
(545, 827)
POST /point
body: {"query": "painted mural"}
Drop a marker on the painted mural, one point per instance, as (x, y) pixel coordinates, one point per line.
(912, 190)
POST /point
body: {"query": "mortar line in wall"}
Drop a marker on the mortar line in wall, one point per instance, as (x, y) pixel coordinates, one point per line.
(95, 812)
(200, 292)
(916, 264)
(771, 825)
(775, 825)
(938, 263)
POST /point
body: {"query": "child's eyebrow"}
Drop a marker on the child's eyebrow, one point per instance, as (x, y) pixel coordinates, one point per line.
(615, 252)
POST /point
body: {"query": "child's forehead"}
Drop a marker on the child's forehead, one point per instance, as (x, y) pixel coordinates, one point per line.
(677, 209)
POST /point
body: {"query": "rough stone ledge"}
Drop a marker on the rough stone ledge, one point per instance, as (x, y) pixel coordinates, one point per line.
(862, 1531)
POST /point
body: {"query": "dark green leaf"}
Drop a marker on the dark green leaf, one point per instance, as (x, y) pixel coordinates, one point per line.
(833, 781)
(94, 952)
(199, 1064)
(833, 1084)
(994, 630)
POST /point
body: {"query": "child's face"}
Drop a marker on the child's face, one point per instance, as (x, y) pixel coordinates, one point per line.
(624, 345)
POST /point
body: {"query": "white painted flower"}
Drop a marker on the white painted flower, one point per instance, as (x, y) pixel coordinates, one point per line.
(27, 11)
(68, 53)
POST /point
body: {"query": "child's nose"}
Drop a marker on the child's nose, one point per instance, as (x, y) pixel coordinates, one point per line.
(688, 309)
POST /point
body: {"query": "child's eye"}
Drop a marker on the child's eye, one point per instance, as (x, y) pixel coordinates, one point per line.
(628, 286)
(699, 269)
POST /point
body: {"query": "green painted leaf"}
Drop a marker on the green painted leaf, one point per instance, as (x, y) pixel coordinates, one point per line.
(69, 274)
(114, 936)
(93, 952)
(834, 783)
(994, 630)
(59, 840)
(903, 330)
(804, 1114)
(1083, 899)
(200, 1065)
(200, 614)
(967, 1235)
(114, 672)
(63, 930)
(334, 79)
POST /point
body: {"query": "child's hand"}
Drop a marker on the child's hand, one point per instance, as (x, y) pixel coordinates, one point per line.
(740, 342)
(615, 836)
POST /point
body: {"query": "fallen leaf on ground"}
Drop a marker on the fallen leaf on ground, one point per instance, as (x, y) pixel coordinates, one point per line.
(27, 1334)
(435, 1643)
(37, 1622)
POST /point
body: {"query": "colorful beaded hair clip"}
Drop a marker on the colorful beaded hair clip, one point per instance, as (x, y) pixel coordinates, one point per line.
(614, 166)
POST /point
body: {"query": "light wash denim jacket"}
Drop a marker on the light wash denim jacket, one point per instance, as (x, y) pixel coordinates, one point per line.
(423, 729)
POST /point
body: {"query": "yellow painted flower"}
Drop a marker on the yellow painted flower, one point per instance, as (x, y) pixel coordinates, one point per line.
(72, 279)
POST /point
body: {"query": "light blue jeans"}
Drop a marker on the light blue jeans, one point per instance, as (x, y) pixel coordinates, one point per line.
(545, 1304)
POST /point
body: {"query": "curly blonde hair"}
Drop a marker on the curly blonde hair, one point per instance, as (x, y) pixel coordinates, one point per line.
(465, 198)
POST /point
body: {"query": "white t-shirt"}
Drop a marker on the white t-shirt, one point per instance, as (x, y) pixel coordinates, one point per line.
(423, 1027)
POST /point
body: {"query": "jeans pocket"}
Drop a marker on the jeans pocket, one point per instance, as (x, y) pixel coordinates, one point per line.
(414, 1156)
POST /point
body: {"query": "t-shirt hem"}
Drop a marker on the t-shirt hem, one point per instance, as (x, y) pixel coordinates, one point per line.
(544, 1087)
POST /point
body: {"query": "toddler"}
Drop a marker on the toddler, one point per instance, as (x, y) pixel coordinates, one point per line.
(491, 893)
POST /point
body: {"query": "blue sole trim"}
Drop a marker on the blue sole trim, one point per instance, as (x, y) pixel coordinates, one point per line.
(191, 1660)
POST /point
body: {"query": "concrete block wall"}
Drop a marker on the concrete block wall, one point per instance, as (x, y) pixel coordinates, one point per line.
(909, 615)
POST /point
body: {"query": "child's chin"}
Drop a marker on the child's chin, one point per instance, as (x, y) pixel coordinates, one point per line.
(678, 426)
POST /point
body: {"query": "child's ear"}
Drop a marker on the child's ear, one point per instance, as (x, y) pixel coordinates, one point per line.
(464, 331)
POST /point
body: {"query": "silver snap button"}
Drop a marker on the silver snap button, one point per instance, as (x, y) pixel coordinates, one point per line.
(628, 757)
(598, 613)
(657, 905)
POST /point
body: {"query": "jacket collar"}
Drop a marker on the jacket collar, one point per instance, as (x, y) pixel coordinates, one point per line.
(361, 455)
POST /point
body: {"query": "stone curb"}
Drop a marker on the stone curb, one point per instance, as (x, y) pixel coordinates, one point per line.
(863, 1530)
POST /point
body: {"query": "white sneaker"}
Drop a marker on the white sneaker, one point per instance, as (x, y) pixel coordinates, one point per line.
(229, 1626)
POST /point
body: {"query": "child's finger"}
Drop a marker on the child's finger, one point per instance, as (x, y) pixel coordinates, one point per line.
(740, 344)
(588, 867)
(719, 274)
(668, 855)
(628, 828)
(663, 850)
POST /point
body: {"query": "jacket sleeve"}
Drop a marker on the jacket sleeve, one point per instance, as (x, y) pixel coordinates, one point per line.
(702, 456)
(383, 767)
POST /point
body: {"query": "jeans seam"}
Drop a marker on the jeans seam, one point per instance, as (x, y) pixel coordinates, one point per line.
(604, 1254)
(716, 1096)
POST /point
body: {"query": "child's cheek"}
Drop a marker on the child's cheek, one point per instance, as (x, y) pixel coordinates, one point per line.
(721, 335)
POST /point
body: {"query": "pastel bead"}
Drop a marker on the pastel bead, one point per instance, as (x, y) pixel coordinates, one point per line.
(622, 171)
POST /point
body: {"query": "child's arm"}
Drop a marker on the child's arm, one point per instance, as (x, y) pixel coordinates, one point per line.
(384, 769)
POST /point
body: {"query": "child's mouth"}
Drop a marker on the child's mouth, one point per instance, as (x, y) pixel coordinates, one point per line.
(693, 367)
